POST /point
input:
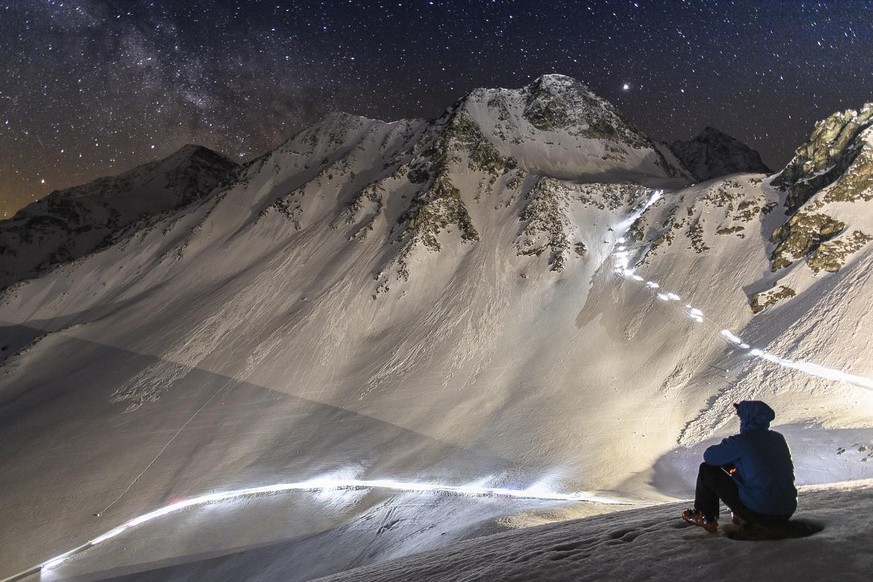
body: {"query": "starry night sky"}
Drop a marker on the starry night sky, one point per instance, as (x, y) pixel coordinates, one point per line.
(94, 87)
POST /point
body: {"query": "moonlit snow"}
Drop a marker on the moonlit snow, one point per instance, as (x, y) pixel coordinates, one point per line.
(523, 295)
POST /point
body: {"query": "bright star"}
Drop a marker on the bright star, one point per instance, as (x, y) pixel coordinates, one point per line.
(625, 87)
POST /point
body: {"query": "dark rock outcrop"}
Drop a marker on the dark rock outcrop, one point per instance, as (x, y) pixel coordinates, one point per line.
(832, 148)
(559, 102)
(834, 167)
(713, 154)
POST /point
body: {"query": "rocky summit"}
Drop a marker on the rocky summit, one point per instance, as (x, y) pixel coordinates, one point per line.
(832, 148)
(829, 189)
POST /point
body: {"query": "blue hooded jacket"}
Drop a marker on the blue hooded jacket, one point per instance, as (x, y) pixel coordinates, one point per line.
(765, 473)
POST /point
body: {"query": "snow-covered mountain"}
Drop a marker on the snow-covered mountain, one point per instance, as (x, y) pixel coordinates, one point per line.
(523, 293)
(69, 224)
(714, 154)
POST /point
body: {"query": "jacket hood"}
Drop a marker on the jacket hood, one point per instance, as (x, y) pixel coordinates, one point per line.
(754, 415)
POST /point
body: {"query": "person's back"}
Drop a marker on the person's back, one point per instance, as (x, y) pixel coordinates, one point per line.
(761, 486)
(765, 473)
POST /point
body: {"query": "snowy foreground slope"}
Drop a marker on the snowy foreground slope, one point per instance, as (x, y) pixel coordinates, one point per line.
(523, 293)
(652, 544)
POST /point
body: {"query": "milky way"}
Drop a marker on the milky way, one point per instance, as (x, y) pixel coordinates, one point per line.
(94, 87)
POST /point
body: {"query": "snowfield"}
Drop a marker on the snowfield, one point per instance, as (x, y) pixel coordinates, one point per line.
(652, 544)
(649, 543)
(524, 294)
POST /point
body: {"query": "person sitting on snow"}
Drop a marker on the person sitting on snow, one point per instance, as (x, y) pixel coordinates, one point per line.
(751, 473)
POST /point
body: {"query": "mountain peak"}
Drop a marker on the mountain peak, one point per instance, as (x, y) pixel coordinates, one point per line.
(69, 224)
(710, 132)
(196, 150)
(554, 102)
(828, 187)
(558, 126)
(714, 153)
(557, 81)
(832, 148)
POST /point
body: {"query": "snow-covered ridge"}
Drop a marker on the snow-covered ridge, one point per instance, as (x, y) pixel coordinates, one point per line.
(69, 224)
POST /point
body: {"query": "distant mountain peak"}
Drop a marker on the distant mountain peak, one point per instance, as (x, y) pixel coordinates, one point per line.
(193, 150)
(557, 126)
(69, 224)
(713, 154)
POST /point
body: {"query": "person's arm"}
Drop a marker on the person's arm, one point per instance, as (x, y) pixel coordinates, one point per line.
(724, 453)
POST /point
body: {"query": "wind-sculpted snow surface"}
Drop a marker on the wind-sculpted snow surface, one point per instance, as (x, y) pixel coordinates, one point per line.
(336, 484)
(652, 544)
(423, 301)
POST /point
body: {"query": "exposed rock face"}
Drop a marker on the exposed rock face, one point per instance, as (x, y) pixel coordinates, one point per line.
(557, 126)
(439, 204)
(760, 301)
(801, 235)
(69, 224)
(833, 169)
(720, 211)
(557, 102)
(548, 226)
(831, 150)
(713, 154)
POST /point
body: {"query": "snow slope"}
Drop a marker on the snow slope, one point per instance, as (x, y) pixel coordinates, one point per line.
(69, 224)
(653, 544)
(635, 544)
(433, 301)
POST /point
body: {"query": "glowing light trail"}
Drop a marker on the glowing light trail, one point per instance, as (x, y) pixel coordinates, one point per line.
(735, 340)
(476, 489)
(622, 268)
